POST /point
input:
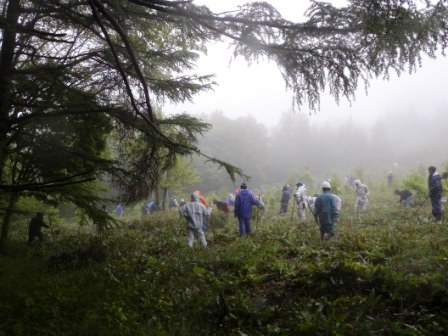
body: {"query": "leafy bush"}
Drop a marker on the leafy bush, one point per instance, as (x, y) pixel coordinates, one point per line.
(417, 183)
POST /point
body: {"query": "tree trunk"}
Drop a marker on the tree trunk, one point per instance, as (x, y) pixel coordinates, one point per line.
(164, 198)
(165, 191)
(7, 220)
(157, 197)
(6, 67)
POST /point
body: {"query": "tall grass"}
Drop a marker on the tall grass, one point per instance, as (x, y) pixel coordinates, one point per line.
(383, 274)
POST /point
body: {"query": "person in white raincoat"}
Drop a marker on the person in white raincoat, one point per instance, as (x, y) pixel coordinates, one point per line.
(194, 212)
(301, 198)
(362, 196)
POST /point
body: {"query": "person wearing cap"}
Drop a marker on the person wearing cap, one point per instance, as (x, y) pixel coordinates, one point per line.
(362, 196)
(35, 226)
(435, 192)
(326, 211)
(301, 198)
(194, 212)
(244, 201)
(284, 200)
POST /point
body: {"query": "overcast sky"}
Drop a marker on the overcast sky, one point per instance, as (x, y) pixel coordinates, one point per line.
(259, 89)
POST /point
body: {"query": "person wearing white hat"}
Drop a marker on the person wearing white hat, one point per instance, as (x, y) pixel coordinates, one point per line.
(301, 198)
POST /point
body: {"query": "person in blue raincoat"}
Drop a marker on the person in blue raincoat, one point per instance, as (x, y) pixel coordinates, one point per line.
(244, 201)
(119, 210)
(326, 212)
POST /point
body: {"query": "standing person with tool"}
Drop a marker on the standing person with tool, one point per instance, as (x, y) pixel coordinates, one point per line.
(362, 196)
(284, 200)
(301, 198)
(435, 192)
(326, 212)
(244, 201)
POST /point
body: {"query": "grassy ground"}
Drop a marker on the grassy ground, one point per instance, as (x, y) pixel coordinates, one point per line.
(384, 274)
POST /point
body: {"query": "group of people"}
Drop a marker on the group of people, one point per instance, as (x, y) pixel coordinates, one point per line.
(148, 208)
(325, 207)
(435, 189)
(196, 213)
(303, 201)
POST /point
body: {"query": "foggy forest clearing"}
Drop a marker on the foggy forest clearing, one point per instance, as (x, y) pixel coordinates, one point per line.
(83, 129)
(383, 274)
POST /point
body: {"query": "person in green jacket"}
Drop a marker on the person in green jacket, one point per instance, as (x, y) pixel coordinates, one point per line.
(326, 212)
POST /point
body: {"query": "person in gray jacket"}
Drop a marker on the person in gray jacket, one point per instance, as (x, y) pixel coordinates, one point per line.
(194, 212)
(362, 196)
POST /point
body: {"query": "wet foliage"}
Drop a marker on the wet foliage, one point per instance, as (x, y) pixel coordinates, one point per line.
(383, 274)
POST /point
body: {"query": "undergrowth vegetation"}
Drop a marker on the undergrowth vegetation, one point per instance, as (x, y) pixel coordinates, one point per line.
(385, 273)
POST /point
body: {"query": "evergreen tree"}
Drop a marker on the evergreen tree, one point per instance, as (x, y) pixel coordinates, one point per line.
(93, 65)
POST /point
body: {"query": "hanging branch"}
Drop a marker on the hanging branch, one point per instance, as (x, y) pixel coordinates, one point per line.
(62, 182)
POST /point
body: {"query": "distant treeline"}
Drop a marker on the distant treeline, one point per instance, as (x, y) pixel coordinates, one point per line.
(398, 143)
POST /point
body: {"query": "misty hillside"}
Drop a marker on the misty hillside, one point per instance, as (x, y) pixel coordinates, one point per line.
(399, 143)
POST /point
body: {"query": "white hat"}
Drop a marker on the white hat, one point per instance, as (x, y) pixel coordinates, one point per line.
(326, 185)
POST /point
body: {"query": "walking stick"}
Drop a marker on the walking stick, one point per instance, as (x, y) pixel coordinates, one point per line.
(316, 219)
(293, 207)
(311, 210)
(256, 218)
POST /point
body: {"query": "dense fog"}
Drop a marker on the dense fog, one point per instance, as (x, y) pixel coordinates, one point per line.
(294, 148)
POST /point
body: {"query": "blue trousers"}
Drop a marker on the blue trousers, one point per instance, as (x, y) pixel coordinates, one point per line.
(436, 203)
(244, 226)
(408, 201)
